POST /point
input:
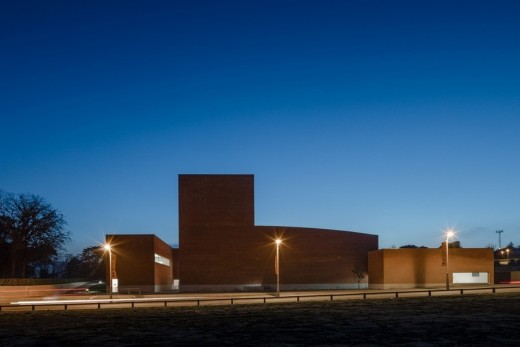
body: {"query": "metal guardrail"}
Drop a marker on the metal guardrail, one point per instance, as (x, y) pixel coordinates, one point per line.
(264, 299)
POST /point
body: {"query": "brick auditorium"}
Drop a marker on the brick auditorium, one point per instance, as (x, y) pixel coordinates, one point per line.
(221, 248)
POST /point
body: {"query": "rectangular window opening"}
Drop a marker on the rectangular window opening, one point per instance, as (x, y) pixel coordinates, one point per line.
(159, 259)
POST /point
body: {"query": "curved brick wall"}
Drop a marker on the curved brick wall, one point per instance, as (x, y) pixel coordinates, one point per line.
(220, 248)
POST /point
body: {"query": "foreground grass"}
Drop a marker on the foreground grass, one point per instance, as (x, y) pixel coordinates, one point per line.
(472, 320)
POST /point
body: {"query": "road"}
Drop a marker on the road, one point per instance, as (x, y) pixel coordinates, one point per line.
(89, 301)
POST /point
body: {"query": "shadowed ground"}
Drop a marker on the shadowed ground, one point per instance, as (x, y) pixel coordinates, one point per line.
(482, 320)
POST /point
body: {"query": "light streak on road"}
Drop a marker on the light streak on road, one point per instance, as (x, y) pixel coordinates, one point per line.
(101, 301)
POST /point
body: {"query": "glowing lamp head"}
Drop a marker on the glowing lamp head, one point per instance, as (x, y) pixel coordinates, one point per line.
(107, 247)
(449, 233)
(278, 241)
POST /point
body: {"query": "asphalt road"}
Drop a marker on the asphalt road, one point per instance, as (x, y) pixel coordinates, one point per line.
(89, 301)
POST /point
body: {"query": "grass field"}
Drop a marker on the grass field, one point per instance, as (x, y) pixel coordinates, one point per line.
(469, 320)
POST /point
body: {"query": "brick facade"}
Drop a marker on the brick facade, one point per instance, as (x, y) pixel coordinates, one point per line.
(423, 267)
(220, 248)
(135, 263)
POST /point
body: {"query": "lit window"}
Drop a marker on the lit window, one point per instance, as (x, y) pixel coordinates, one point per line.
(162, 260)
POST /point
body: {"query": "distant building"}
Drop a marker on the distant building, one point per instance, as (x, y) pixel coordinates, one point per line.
(507, 265)
(423, 267)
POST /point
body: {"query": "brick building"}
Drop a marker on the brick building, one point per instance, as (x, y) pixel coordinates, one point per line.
(142, 263)
(423, 267)
(221, 248)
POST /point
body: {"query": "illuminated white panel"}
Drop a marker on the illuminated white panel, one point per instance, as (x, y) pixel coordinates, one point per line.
(470, 277)
(162, 260)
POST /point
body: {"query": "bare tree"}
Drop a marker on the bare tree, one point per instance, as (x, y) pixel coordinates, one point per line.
(31, 231)
(359, 274)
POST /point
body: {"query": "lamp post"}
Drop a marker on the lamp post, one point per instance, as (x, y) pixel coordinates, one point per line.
(108, 248)
(277, 266)
(449, 234)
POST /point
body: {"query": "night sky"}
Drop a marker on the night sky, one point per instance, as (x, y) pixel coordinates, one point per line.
(394, 118)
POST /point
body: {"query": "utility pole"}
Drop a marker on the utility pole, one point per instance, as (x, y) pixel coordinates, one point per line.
(499, 232)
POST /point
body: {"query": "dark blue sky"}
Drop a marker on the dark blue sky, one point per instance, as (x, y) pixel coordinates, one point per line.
(396, 118)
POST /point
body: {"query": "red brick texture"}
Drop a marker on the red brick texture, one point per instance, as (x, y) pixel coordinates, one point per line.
(220, 248)
(135, 262)
(423, 267)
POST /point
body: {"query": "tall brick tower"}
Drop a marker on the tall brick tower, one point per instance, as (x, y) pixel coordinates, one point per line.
(217, 240)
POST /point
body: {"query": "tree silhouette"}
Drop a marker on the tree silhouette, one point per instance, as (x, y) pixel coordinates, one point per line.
(30, 231)
(359, 274)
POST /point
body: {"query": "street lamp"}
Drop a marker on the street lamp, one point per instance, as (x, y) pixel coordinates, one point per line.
(108, 248)
(449, 234)
(277, 266)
